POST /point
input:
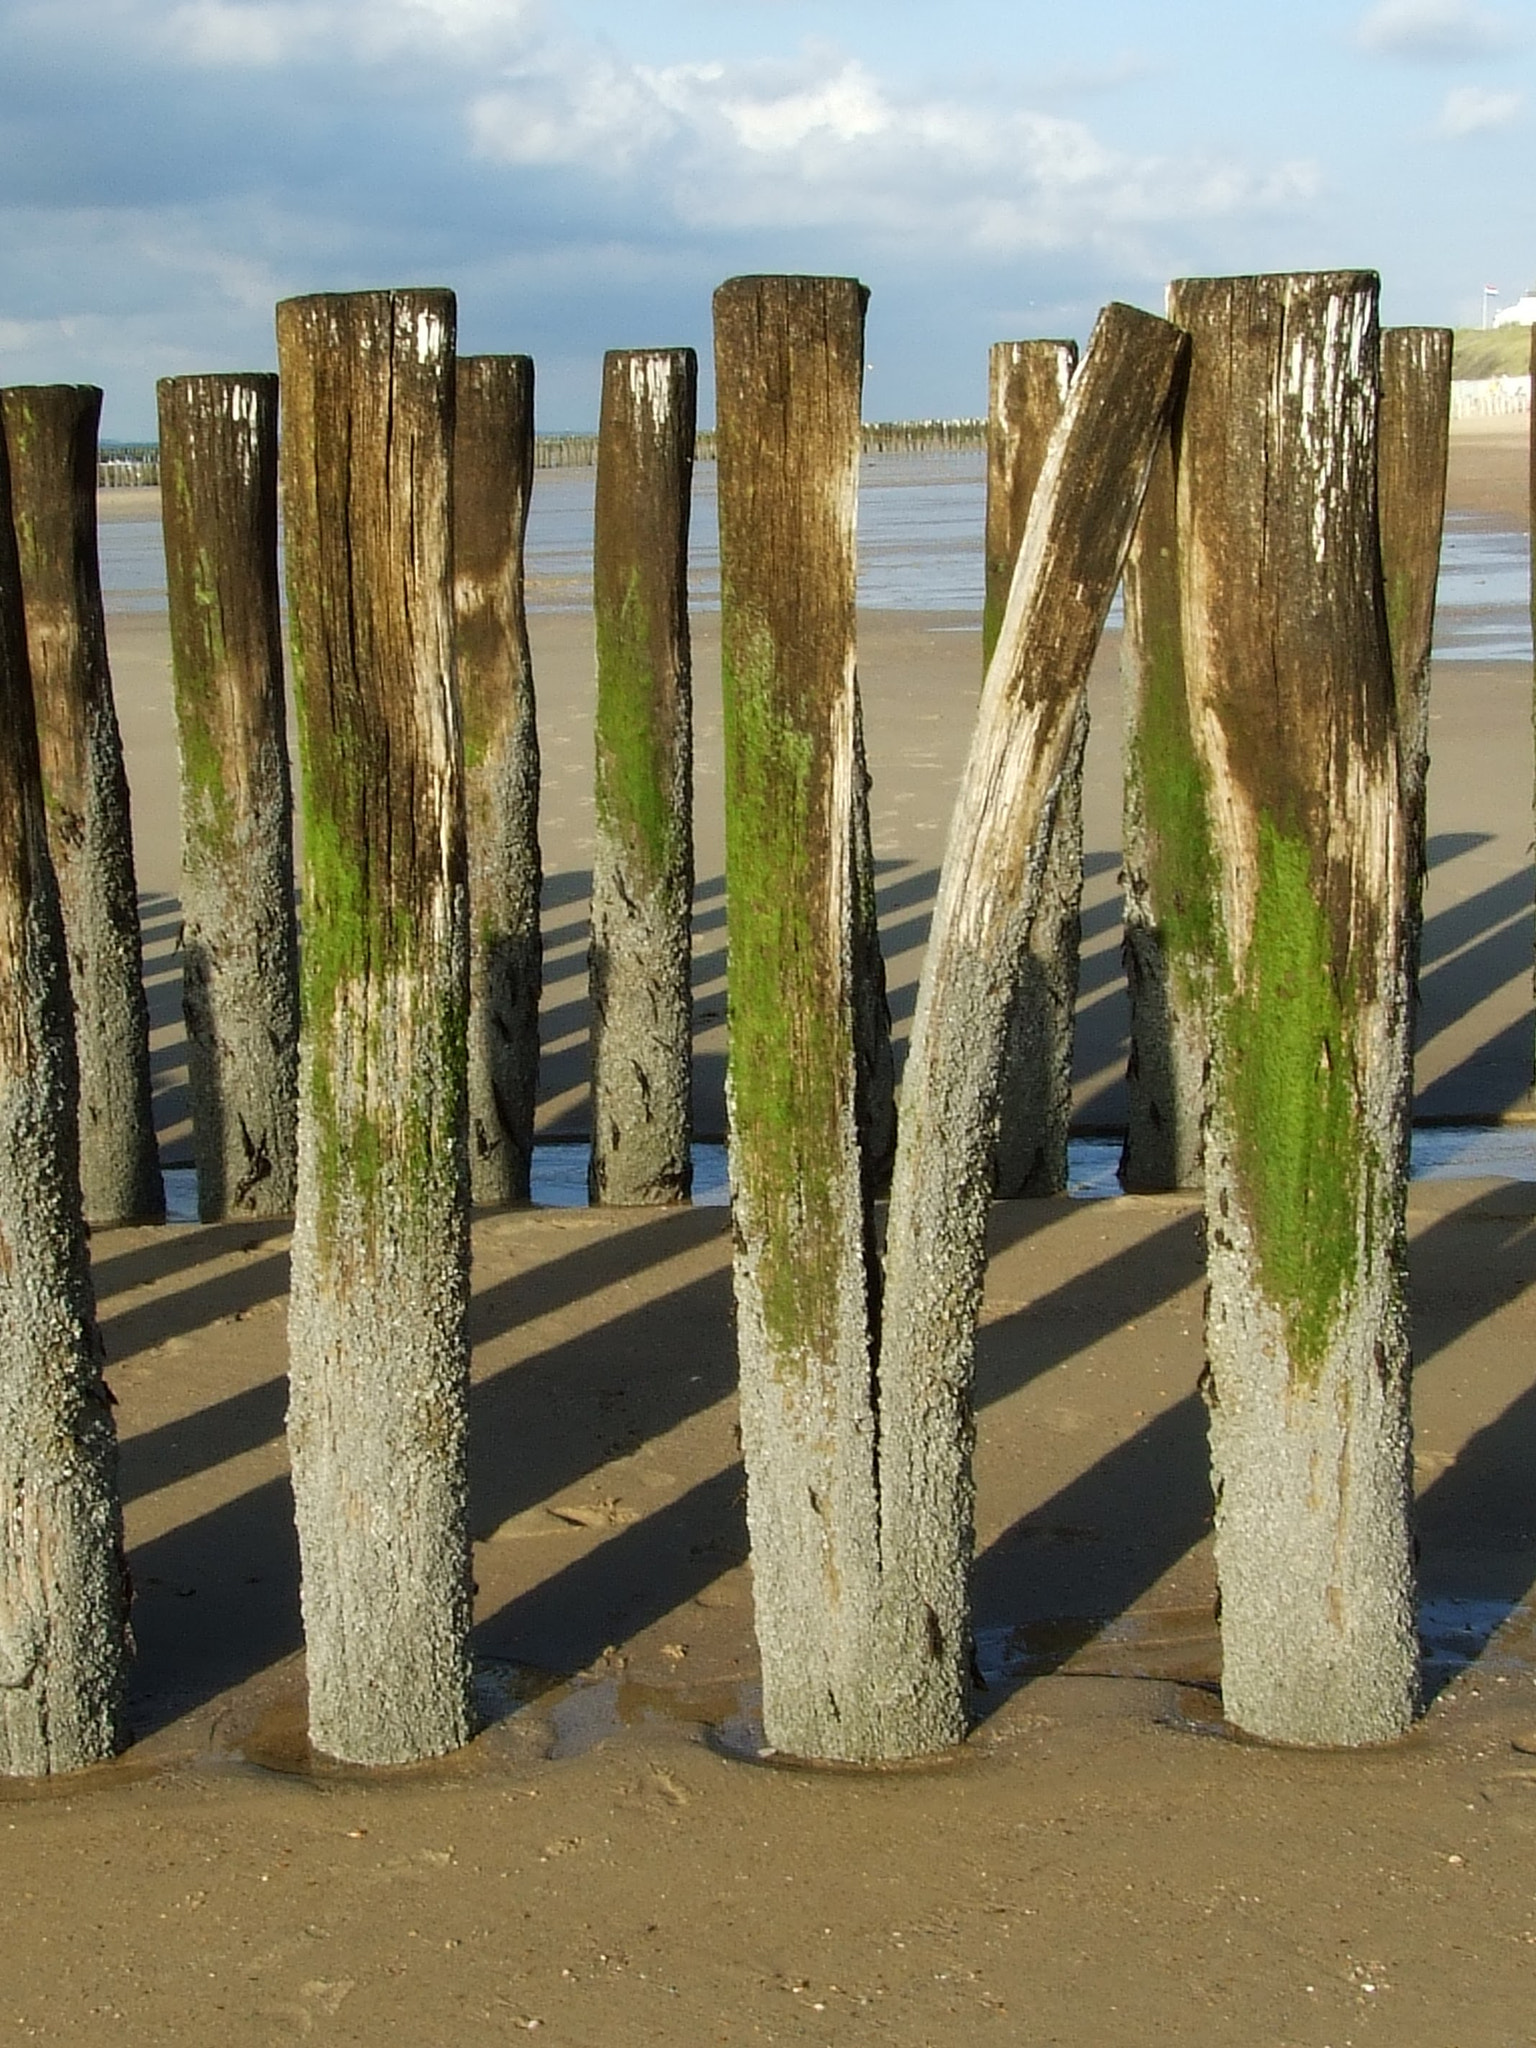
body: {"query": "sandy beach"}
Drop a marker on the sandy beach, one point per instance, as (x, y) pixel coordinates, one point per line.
(1102, 1865)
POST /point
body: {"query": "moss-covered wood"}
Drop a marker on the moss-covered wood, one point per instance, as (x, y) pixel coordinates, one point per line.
(51, 431)
(63, 1588)
(856, 1415)
(492, 480)
(1070, 558)
(377, 1341)
(789, 356)
(240, 994)
(1411, 466)
(1167, 861)
(642, 863)
(1291, 692)
(1027, 391)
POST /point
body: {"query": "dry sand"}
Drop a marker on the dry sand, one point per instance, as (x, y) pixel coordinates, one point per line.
(1098, 1867)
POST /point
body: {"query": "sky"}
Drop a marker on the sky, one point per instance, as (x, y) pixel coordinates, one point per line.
(584, 172)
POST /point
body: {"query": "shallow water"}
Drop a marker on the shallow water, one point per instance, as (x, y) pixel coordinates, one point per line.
(1449, 1152)
(921, 521)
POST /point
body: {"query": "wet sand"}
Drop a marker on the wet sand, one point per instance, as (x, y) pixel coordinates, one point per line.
(1098, 1867)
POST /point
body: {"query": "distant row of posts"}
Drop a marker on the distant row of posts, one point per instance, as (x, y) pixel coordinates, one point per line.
(1274, 850)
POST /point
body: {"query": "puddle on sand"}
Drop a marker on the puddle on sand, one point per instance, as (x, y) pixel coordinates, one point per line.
(594, 1709)
(1172, 1643)
(1182, 1646)
(277, 1738)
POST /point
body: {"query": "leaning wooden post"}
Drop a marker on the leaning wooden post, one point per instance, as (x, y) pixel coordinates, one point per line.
(51, 430)
(1027, 390)
(1414, 446)
(63, 1589)
(1080, 523)
(1290, 684)
(642, 864)
(377, 1339)
(789, 357)
(492, 482)
(1167, 862)
(240, 995)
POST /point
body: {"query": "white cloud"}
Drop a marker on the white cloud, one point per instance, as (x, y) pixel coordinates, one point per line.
(824, 144)
(1472, 110)
(1433, 31)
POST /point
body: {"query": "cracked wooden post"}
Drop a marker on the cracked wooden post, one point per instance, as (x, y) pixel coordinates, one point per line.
(1291, 695)
(51, 432)
(642, 865)
(1414, 446)
(63, 1588)
(492, 481)
(240, 996)
(1027, 389)
(1074, 544)
(377, 1337)
(789, 357)
(1167, 864)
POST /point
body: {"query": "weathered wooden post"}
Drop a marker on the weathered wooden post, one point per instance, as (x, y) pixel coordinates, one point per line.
(642, 865)
(492, 481)
(1291, 697)
(63, 1590)
(856, 1418)
(789, 359)
(1414, 446)
(1070, 558)
(379, 1361)
(1027, 389)
(240, 995)
(51, 431)
(1167, 862)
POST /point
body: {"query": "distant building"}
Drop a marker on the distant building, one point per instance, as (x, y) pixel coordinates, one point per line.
(1521, 314)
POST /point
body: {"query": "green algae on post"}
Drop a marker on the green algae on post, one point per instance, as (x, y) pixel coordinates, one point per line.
(789, 355)
(240, 997)
(642, 864)
(377, 1333)
(1169, 864)
(1290, 683)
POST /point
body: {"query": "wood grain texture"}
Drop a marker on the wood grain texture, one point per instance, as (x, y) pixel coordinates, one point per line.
(1080, 523)
(51, 432)
(789, 355)
(240, 969)
(640, 960)
(64, 1641)
(1167, 860)
(492, 483)
(1414, 449)
(377, 1339)
(1027, 385)
(1290, 686)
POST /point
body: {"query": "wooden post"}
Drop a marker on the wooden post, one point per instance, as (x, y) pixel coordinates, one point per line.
(789, 357)
(240, 995)
(51, 431)
(1168, 864)
(1027, 390)
(1414, 446)
(642, 866)
(63, 1590)
(1080, 522)
(377, 1337)
(492, 482)
(1291, 697)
